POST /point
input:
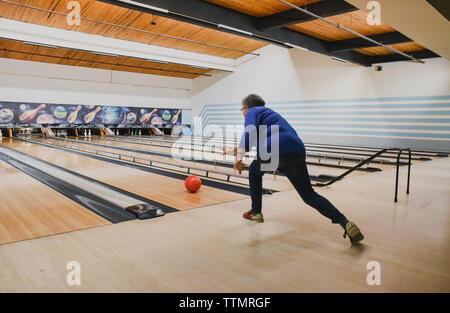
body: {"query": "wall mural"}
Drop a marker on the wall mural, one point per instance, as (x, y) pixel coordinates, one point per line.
(18, 113)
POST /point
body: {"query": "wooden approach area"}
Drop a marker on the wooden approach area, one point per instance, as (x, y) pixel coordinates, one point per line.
(212, 249)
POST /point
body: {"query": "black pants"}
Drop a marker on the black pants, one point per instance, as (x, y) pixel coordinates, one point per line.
(294, 166)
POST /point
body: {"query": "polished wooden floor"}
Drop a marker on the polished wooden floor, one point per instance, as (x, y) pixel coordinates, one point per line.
(212, 249)
(30, 209)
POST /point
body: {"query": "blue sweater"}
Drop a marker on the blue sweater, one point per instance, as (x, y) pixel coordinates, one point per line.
(289, 142)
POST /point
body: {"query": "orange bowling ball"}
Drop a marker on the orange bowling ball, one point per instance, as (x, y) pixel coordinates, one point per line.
(193, 183)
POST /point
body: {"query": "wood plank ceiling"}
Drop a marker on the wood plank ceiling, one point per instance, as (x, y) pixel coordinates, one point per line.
(105, 12)
(356, 20)
(21, 51)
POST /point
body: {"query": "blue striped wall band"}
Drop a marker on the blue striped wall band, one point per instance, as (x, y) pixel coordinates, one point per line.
(340, 119)
(386, 134)
(361, 127)
(387, 113)
(393, 106)
(337, 119)
(337, 127)
(376, 133)
(381, 106)
(359, 108)
(317, 123)
(343, 117)
(314, 115)
(338, 105)
(382, 99)
(359, 132)
(341, 123)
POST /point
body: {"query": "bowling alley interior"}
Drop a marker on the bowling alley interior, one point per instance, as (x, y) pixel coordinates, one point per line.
(122, 122)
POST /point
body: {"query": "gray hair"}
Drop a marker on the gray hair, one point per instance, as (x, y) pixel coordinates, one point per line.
(253, 100)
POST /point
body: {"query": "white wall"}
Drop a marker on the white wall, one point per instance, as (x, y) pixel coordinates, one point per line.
(25, 81)
(303, 84)
(315, 93)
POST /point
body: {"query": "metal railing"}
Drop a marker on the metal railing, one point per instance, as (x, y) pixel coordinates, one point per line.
(354, 168)
(398, 170)
(398, 163)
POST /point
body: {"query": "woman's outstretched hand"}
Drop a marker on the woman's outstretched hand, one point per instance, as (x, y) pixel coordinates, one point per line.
(239, 166)
(232, 151)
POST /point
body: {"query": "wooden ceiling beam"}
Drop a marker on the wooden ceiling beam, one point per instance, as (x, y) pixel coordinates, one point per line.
(290, 17)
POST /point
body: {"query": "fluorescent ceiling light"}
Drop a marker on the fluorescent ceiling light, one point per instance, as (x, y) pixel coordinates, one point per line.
(157, 61)
(340, 60)
(145, 6)
(104, 53)
(234, 29)
(39, 44)
(294, 46)
(201, 67)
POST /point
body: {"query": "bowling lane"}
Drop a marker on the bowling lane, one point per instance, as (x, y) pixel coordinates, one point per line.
(315, 170)
(137, 145)
(309, 146)
(114, 148)
(167, 143)
(150, 144)
(315, 154)
(162, 189)
(142, 145)
(279, 183)
(338, 151)
(30, 209)
(189, 138)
